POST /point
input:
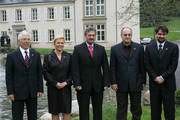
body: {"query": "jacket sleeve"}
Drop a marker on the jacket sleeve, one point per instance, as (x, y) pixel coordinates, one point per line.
(75, 68)
(113, 65)
(148, 66)
(142, 66)
(46, 71)
(69, 74)
(9, 74)
(40, 72)
(105, 68)
(174, 62)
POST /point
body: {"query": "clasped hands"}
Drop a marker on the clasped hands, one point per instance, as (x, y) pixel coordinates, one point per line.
(61, 85)
(159, 80)
(80, 87)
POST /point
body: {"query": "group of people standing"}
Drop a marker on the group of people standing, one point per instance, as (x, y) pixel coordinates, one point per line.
(87, 69)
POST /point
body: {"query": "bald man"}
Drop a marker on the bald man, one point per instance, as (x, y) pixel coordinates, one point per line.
(127, 75)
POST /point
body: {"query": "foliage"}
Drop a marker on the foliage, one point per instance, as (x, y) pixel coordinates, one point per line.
(173, 24)
(154, 12)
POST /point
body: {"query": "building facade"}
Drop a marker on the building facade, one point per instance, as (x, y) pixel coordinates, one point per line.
(47, 19)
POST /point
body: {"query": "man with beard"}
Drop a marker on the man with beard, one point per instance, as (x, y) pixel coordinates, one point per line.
(161, 60)
(127, 75)
(90, 75)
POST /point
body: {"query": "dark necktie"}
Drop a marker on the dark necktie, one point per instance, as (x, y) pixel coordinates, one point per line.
(91, 51)
(160, 50)
(26, 59)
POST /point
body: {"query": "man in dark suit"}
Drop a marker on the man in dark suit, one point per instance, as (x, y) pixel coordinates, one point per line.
(127, 75)
(90, 75)
(24, 78)
(161, 60)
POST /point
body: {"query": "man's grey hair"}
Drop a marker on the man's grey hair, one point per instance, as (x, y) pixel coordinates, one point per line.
(24, 32)
(88, 30)
(125, 28)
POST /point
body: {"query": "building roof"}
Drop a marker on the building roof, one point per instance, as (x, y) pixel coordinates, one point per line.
(9, 2)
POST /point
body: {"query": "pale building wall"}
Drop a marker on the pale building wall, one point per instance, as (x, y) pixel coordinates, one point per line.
(116, 17)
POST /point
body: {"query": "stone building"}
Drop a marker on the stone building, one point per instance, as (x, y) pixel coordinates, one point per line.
(46, 19)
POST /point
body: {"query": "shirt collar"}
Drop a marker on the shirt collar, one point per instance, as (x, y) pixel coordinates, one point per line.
(23, 50)
(158, 43)
(89, 45)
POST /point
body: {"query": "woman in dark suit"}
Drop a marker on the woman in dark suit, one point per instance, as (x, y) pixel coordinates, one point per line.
(57, 73)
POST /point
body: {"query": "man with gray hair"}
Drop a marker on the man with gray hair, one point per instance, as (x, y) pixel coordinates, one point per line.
(90, 75)
(24, 78)
(127, 75)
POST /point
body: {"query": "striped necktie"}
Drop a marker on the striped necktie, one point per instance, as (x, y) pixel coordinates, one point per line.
(26, 59)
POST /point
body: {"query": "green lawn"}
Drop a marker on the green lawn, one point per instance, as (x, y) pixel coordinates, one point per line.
(173, 25)
(109, 113)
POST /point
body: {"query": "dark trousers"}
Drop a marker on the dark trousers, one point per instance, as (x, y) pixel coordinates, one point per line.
(18, 109)
(122, 105)
(84, 101)
(157, 99)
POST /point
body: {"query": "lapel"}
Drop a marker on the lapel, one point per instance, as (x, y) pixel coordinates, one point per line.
(133, 50)
(165, 49)
(155, 48)
(31, 56)
(87, 50)
(123, 51)
(20, 57)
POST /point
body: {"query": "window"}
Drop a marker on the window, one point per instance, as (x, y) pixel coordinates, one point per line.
(100, 7)
(66, 12)
(35, 35)
(51, 35)
(3, 33)
(18, 15)
(90, 25)
(100, 32)
(50, 13)
(89, 8)
(3, 15)
(67, 35)
(34, 14)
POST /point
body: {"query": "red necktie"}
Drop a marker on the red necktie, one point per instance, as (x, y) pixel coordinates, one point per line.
(26, 59)
(91, 50)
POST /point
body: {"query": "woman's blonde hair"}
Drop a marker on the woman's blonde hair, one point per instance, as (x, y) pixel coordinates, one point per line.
(58, 38)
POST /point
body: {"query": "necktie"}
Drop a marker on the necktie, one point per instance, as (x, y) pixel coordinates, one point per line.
(90, 49)
(160, 49)
(26, 59)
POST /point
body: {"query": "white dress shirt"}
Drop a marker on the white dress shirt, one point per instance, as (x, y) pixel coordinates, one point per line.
(23, 52)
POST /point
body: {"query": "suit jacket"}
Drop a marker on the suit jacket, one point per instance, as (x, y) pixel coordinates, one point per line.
(20, 80)
(92, 73)
(127, 71)
(165, 65)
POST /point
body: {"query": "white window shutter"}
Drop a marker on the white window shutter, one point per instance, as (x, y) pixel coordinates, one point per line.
(13, 15)
(29, 14)
(45, 14)
(71, 12)
(71, 35)
(55, 13)
(38, 13)
(7, 15)
(61, 12)
(39, 36)
(23, 15)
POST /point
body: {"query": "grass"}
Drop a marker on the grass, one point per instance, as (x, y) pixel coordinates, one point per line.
(173, 24)
(109, 113)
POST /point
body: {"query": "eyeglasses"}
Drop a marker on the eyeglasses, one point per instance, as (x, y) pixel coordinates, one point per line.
(26, 39)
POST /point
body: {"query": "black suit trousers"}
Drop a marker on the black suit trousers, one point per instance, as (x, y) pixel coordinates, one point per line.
(157, 99)
(18, 109)
(122, 105)
(84, 101)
